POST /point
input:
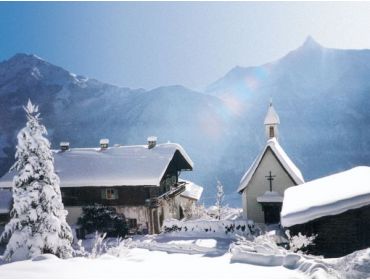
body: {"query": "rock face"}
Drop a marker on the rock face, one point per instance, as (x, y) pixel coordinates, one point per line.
(320, 94)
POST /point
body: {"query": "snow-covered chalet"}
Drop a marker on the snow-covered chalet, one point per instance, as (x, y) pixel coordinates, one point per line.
(262, 186)
(336, 208)
(142, 182)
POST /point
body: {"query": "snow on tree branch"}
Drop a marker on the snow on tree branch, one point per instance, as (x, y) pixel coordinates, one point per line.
(219, 199)
(38, 219)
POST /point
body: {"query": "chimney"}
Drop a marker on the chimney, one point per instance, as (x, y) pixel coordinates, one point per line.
(152, 141)
(64, 146)
(104, 143)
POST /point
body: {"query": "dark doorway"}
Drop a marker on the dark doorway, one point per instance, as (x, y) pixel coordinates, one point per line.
(272, 212)
(181, 213)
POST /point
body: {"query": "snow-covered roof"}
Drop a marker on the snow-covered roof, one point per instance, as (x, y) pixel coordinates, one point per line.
(152, 139)
(6, 200)
(272, 117)
(104, 141)
(270, 197)
(326, 196)
(192, 190)
(287, 163)
(115, 166)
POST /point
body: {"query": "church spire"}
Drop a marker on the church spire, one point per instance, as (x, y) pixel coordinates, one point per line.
(271, 122)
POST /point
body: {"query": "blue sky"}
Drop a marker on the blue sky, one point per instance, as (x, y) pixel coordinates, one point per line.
(150, 44)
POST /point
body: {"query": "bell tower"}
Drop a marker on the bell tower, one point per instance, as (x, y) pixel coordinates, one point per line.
(271, 123)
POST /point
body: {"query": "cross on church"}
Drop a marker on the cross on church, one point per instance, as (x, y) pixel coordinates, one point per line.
(270, 178)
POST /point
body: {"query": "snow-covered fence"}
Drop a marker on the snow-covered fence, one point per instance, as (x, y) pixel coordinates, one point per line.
(209, 228)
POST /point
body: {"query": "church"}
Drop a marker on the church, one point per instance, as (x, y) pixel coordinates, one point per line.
(272, 172)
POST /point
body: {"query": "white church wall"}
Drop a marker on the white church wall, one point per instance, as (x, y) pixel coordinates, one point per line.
(259, 185)
(244, 203)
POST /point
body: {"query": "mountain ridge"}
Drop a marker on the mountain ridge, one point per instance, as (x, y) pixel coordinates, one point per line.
(320, 94)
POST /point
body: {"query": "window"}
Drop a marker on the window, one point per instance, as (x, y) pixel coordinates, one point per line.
(109, 194)
(272, 132)
(132, 223)
(170, 180)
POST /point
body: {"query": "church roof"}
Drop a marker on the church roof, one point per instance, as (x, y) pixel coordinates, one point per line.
(283, 158)
(114, 166)
(327, 196)
(271, 117)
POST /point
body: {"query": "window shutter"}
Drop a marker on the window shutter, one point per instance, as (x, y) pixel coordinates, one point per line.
(104, 193)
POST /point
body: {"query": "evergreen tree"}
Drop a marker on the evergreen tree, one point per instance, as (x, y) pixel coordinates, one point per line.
(219, 199)
(38, 219)
(102, 218)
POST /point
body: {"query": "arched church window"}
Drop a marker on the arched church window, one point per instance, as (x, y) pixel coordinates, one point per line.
(271, 132)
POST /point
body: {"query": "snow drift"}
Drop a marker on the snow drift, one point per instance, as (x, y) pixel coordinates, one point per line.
(329, 195)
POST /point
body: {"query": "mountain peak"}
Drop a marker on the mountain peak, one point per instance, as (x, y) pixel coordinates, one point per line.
(25, 57)
(32, 68)
(310, 43)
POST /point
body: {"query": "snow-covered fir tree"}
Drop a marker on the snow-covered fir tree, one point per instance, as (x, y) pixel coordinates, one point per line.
(219, 199)
(38, 219)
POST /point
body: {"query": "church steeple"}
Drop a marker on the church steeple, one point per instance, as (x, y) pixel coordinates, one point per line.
(271, 122)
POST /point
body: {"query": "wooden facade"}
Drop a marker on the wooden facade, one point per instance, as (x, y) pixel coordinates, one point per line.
(144, 206)
(338, 235)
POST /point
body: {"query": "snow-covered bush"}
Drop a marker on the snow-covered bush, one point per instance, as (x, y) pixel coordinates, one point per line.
(298, 243)
(79, 250)
(98, 246)
(120, 248)
(264, 243)
(38, 219)
(102, 219)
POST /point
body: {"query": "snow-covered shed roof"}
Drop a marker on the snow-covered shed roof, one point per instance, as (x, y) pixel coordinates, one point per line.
(114, 166)
(270, 197)
(6, 200)
(192, 190)
(271, 117)
(326, 196)
(286, 162)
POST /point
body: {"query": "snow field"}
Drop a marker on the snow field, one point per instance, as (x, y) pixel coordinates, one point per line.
(143, 264)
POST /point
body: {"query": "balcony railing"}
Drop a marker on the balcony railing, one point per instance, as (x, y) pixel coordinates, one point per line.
(173, 192)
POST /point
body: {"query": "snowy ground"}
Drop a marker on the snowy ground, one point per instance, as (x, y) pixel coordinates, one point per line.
(140, 263)
(167, 257)
(203, 251)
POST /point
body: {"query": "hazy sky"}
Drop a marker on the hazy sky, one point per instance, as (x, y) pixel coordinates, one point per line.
(162, 43)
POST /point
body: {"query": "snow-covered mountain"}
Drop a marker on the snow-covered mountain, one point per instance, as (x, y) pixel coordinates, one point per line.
(82, 111)
(320, 94)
